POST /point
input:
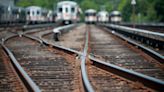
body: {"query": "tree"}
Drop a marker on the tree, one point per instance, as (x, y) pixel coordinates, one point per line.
(159, 8)
(24, 3)
(87, 4)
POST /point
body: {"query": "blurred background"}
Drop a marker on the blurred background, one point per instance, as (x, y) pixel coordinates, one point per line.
(146, 10)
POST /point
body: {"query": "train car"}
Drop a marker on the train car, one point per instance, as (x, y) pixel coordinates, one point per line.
(3, 14)
(11, 15)
(36, 14)
(115, 17)
(68, 12)
(6, 15)
(103, 17)
(33, 14)
(19, 15)
(90, 16)
(45, 16)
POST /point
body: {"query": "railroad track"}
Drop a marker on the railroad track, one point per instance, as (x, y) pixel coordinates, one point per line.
(159, 28)
(14, 80)
(47, 67)
(113, 50)
(9, 80)
(8, 31)
(146, 40)
(150, 27)
(100, 46)
(58, 70)
(103, 81)
(103, 86)
(73, 38)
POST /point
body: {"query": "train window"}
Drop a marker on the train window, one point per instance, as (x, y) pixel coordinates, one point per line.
(94, 14)
(33, 12)
(73, 9)
(119, 15)
(60, 9)
(28, 12)
(86, 14)
(2, 9)
(37, 12)
(66, 10)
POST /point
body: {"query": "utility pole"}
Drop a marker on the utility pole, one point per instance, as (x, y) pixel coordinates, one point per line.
(133, 3)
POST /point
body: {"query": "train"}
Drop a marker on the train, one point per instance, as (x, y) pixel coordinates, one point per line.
(90, 16)
(115, 17)
(68, 12)
(103, 16)
(29, 15)
(36, 14)
(11, 14)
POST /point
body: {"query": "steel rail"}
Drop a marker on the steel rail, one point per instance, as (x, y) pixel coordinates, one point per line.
(61, 28)
(83, 57)
(41, 40)
(129, 74)
(27, 80)
(157, 84)
(145, 24)
(99, 63)
(33, 38)
(86, 82)
(141, 32)
(141, 46)
(25, 27)
(31, 84)
(30, 27)
(147, 50)
(45, 42)
(150, 51)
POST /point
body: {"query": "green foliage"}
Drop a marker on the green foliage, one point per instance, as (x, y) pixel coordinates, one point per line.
(145, 10)
(86, 4)
(122, 5)
(126, 10)
(108, 6)
(24, 3)
(43, 3)
(159, 8)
